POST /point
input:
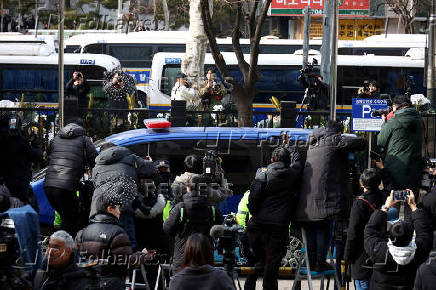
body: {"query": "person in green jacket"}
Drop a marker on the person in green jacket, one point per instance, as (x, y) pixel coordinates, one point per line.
(401, 136)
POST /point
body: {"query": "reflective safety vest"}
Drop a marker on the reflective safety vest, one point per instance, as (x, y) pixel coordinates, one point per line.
(243, 214)
(57, 220)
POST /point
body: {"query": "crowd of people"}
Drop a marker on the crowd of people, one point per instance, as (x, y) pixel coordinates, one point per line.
(118, 211)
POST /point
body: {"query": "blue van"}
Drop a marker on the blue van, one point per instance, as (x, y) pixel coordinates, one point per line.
(242, 150)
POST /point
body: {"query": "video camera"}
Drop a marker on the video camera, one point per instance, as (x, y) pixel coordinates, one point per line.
(212, 166)
(366, 86)
(227, 236)
(381, 112)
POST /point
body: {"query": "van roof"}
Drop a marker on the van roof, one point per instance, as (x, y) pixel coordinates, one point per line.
(205, 133)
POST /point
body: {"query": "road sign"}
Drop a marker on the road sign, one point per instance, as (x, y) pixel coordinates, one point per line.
(362, 118)
(358, 8)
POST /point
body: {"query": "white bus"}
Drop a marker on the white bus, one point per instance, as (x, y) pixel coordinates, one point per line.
(136, 50)
(279, 76)
(36, 76)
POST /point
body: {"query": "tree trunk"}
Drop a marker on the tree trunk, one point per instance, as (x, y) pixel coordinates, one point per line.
(166, 15)
(193, 61)
(156, 24)
(244, 105)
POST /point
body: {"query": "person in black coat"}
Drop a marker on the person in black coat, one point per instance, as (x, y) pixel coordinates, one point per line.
(197, 269)
(426, 274)
(18, 153)
(396, 253)
(194, 214)
(60, 271)
(271, 200)
(324, 187)
(71, 152)
(363, 206)
(76, 92)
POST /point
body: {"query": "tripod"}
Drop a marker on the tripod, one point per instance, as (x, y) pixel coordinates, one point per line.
(229, 261)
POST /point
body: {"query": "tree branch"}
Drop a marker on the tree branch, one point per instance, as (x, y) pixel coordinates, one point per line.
(254, 52)
(251, 21)
(236, 35)
(208, 29)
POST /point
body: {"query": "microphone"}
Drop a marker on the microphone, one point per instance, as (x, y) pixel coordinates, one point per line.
(217, 231)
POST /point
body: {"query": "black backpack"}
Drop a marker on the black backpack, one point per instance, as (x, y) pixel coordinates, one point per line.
(197, 218)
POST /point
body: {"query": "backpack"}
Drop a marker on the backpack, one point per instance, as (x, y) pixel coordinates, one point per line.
(196, 218)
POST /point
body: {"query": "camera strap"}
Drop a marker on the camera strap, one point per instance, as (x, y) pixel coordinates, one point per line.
(367, 202)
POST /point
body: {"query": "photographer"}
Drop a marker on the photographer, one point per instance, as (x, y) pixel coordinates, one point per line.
(194, 165)
(396, 252)
(325, 187)
(212, 91)
(182, 91)
(194, 214)
(18, 154)
(401, 136)
(117, 98)
(76, 92)
(363, 206)
(317, 94)
(271, 200)
(369, 90)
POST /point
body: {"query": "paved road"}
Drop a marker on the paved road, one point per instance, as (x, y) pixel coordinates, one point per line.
(285, 284)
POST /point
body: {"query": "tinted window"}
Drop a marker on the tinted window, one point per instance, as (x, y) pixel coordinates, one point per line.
(72, 49)
(97, 48)
(170, 48)
(135, 55)
(38, 85)
(169, 78)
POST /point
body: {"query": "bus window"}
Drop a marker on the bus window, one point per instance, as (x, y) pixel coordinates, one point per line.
(169, 48)
(96, 48)
(281, 82)
(38, 85)
(169, 78)
(72, 49)
(135, 55)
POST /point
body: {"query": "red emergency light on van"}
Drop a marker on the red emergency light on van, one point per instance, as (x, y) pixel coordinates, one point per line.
(157, 123)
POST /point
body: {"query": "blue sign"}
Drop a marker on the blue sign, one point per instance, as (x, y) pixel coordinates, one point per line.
(363, 114)
(141, 76)
(173, 60)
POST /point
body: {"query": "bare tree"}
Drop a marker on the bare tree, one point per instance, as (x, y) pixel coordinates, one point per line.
(406, 10)
(244, 93)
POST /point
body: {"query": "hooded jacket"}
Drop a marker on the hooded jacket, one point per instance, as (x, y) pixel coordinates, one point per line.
(216, 193)
(359, 217)
(70, 152)
(119, 160)
(402, 137)
(388, 274)
(273, 191)
(198, 217)
(325, 186)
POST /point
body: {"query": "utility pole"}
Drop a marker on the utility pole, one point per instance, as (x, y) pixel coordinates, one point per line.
(61, 62)
(3, 15)
(431, 56)
(36, 18)
(120, 16)
(306, 36)
(333, 37)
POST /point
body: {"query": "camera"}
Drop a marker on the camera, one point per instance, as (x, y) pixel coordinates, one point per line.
(366, 86)
(212, 166)
(227, 236)
(380, 112)
(78, 75)
(400, 194)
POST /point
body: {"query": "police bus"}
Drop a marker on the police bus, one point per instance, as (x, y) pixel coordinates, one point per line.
(32, 70)
(279, 76)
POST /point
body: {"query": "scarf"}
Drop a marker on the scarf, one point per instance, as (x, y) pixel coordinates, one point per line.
(402, 255)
